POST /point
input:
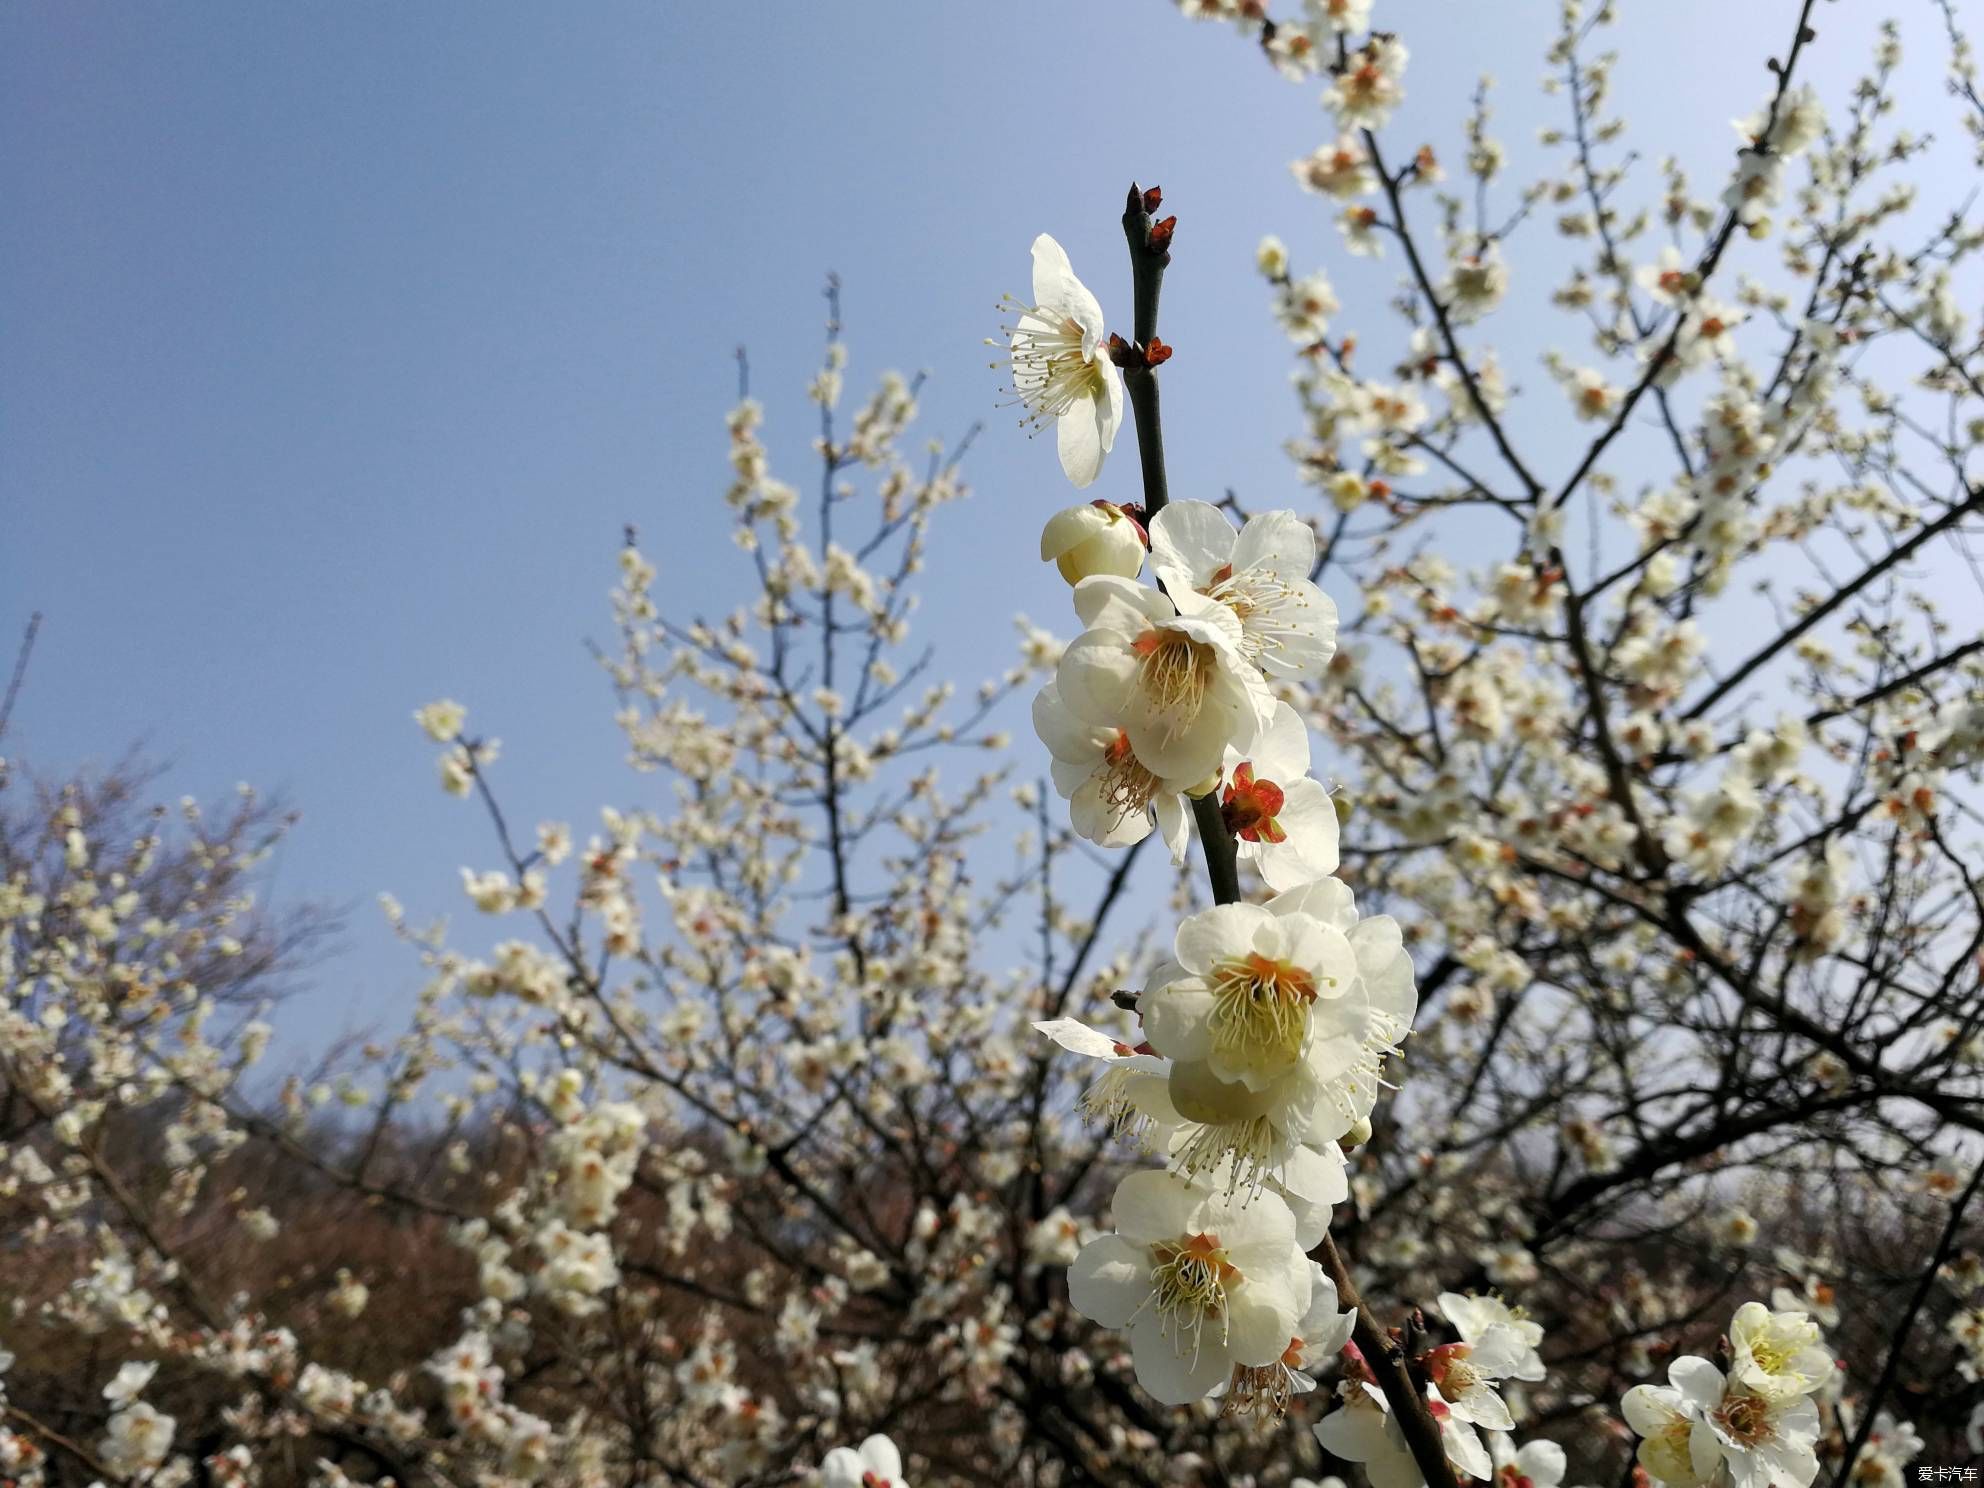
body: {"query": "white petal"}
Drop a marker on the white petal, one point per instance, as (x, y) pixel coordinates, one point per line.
(1260, 1321)
(1070, 528)
(1171, 1370)
(1097, 819)
(1058, 291)
(1106, 600)
(1067, 737)
(1217, 933)
(1543, 1463)
(1496, 1353)
(1178, 1021)
(1109, 1280)
(1648, 1408)
(1194, 538)
(1281, 750)
(1310, 849)
(1328, 900)
(1078, 441)
(1097, 677)
(1699, 1382)
(1079, 1038)
(842, 1468)
(1278, 541)
(1109, 408)
(1174, 824)
(1154, 1206)
(880, 1454)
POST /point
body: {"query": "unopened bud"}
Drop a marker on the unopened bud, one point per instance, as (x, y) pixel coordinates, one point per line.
(1098, 538)
(1358, 1134)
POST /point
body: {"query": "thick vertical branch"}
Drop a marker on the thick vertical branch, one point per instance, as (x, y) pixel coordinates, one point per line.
(1150, 253)
(1149, 256)
(1147, 265)
(1386, 1359)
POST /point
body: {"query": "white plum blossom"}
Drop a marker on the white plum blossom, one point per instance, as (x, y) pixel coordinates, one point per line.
(1778, 1354)
(1365, 1431)
(1765, 1441)
(874, 1464)
(1537, 1464)
(1341, 169)
(1261, 573)
(1472, 1317)
(1169, 672)
(1281, 820)
(442, 720)
(1677, 1446)
(1111, 794)
(1202, 1281)
(1363, 93)
(1133, 1093)
(1468, 1372)
(1262, 1134)
(1060, 365)
(1240, 998)
(1320, 1336)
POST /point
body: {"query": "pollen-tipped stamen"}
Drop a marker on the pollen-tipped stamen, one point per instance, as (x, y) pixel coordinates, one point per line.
(1046, 361)
(1128, 787)
(1260, 1008)
(1175, 672)
(1268, 607)
(1188, 1285)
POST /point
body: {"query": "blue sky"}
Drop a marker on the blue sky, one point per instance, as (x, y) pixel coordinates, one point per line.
(338, 342)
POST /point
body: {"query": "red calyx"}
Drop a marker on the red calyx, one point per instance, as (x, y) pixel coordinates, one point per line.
(1249, 807)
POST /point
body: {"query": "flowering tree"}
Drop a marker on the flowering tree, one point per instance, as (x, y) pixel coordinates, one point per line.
(1446, 1119)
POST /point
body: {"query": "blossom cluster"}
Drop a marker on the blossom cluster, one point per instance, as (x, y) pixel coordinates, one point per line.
(1265, 1032)
(1754, 1425)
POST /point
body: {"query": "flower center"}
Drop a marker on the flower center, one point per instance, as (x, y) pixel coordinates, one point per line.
(1127, 786)
(1450, 1370)
(1260, 1008)
(1771, 1353)
(1269, 608)
(1050, 372)
(1112, 1100)
(1262, 1389)
(1175, 673)
(1188, 1285)
(1746, 1418)
(1250, 807)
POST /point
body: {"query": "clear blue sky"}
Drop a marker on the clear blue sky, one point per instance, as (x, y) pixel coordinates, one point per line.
(337, 342)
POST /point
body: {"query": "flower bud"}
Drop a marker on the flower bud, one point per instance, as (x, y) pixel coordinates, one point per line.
(1357, 1136)
(1099, 538)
